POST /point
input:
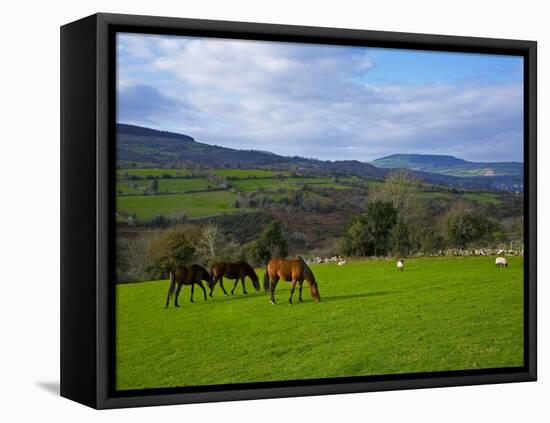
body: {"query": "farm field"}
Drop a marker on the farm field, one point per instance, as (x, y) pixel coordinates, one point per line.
(483, 198)
(201, 196)
(248, 173)
(253, 185)
(439, 314)
(143, 173)
(170, 205)
(179, 185)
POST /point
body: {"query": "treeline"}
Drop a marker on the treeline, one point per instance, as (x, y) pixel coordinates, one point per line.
(151, 255)
(396, 221)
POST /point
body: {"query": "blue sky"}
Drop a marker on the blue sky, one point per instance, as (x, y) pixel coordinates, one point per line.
(327, 102)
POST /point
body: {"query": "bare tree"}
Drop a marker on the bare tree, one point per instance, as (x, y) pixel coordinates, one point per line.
(400, 189)
(212, 241)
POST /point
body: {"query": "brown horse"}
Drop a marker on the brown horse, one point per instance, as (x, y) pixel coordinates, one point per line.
(237, 271)
(187, 275)
(290, 271)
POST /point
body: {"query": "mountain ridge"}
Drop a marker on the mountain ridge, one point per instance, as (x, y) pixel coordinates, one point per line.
(145, 147)
(449, 165)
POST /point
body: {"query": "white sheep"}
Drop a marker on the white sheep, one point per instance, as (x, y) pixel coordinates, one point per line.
(501, 262)
(401, 265)
(341, 263)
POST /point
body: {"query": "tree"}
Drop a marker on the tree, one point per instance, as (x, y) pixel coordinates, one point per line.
(465, 226)
(155, 185)
(400, 188)
(370, 233)
(173, 247)
(211, 241)
(400, 238)
(271, 243)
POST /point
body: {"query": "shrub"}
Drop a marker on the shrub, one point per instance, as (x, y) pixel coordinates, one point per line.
(173, 247)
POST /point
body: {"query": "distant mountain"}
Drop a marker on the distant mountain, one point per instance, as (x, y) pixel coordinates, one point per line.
(145, 147)
(148, 147)
(449, 165)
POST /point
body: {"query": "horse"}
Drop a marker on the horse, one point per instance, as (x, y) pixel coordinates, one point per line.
(400, 264)
(238, 271)
(187, 275)
(290, 270)
(501, 262)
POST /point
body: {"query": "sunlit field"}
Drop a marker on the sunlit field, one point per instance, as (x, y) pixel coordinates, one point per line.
(438, 314)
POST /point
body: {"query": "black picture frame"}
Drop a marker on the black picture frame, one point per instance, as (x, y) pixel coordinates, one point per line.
(87, 209)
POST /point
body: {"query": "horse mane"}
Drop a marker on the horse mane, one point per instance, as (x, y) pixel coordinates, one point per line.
(251, 273)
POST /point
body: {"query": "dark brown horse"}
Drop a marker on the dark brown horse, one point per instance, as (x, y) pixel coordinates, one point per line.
(289, 270)
(187, 275)
(237, 271)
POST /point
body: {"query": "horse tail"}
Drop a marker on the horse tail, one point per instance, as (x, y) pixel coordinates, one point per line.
(171, 288)
(267, 282)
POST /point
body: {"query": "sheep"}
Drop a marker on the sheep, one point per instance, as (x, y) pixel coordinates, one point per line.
(341, 263)
(501, 262)
(400, 265)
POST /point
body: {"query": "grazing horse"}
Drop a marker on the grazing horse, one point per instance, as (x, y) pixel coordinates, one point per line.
(237, 271)
(290, 270)
(501, 262)
(187, 275)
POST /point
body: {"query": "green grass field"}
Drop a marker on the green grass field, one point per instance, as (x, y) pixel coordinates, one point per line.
(179, 185)
(439, 314)
(143, 173)
(247, 173)
(170, 205)
(483, 198)
(125, 189)
(255, 185)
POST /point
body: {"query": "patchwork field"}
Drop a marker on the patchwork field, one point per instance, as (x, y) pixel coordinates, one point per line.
(192, 205)
(439, 314)
(200, 195)
(273, 184)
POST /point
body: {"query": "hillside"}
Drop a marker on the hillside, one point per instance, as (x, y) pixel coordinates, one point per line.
(148, 148)
(449, 165)
(145, 147)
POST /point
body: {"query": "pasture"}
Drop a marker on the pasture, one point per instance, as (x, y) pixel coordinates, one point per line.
(253, 185)
(179, 184)
(172, 205)
(438, 314)
(143, 173)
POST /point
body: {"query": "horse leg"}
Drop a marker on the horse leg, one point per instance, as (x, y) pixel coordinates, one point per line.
(244, 288)
(212, 285)
(234, 286)
(192, 291)
(292, 291)
(301, 286)
(221, 285)
(171, 289)
(177, 295)
(273, 286)
(199, 283)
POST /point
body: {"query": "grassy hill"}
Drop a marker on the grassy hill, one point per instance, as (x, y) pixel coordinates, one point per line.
(449, 165)
(439, 314)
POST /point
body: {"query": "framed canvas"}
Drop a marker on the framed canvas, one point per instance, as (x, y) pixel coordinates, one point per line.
(211, 170)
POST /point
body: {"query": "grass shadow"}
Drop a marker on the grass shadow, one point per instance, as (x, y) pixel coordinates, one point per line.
(359, 295)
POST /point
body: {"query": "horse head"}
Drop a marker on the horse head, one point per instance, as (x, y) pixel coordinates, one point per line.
(254, 278)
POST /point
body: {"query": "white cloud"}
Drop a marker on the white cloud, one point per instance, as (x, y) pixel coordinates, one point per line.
(314, 102)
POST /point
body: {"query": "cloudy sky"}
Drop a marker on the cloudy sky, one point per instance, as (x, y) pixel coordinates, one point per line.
(326, 102)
